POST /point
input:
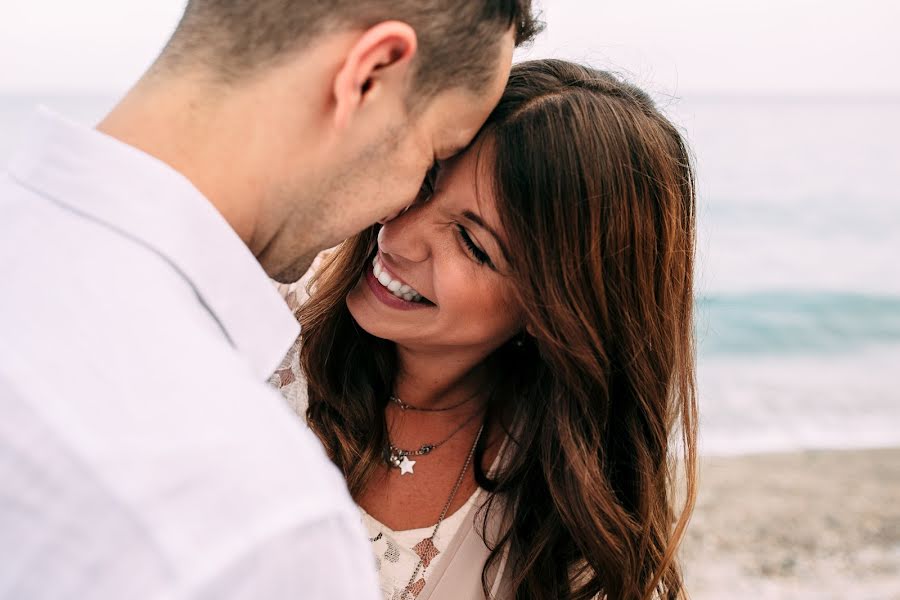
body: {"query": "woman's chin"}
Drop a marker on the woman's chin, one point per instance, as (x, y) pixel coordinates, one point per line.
(369, 318)
(383, 323)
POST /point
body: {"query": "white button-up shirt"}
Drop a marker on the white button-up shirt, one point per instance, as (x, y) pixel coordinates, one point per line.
(141, 453)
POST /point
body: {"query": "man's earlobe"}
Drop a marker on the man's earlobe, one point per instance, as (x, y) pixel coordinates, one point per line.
(383, 51)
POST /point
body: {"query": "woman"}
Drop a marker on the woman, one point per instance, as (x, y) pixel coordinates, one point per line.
(504, 372)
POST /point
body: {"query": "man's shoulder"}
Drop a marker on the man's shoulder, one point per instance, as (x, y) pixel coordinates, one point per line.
(63, 273)
(120, 359)
(201, 458)
(170, 505)
(36, 227)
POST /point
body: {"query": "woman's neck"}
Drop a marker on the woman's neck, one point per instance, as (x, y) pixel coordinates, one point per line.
(438, 380)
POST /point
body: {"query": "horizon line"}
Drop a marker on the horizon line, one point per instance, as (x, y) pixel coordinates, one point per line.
(685, 94)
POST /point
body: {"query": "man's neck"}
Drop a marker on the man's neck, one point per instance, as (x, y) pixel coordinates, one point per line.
(197, 139)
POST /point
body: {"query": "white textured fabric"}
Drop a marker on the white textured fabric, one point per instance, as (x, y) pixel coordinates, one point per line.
(397, 553)
(141, 453)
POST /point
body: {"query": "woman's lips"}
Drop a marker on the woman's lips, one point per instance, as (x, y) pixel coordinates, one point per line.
(389, 299)
(390, 280)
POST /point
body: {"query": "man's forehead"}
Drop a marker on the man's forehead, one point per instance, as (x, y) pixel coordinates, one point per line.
(454, 139)
(453, 121)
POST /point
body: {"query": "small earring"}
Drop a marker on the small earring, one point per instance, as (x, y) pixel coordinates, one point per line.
(520, 342)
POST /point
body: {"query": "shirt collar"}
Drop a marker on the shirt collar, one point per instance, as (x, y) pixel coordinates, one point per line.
(149, 202)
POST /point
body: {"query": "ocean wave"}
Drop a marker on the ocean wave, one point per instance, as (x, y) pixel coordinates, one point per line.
(772, 403)
(795, 322)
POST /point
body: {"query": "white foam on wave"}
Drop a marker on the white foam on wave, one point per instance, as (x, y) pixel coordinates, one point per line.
(760, 404)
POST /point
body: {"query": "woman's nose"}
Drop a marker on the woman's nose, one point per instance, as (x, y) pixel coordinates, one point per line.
(404, 237)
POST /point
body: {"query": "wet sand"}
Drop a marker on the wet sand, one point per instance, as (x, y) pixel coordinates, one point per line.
(823, 525)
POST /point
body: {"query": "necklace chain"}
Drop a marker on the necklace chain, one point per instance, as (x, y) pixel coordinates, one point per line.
(394, 455)
(405, 406)
(456, 486)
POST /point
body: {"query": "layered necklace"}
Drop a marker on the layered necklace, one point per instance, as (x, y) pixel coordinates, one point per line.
(403, 405)
(399, 458)
(428, 543)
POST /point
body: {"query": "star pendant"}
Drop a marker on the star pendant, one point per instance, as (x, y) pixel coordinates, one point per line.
(406, 466)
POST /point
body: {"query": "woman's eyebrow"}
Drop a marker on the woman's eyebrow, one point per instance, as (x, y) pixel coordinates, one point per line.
(476, 218)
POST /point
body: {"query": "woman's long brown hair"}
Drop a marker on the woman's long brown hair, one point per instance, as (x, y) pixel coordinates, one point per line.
(595, 192)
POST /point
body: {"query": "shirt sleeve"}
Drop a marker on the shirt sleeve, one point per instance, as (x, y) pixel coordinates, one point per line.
(316, 561)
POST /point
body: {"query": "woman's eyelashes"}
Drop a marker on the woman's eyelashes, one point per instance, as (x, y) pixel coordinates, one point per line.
(477, 253)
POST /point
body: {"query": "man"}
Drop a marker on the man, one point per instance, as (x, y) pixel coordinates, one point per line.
(141, 453)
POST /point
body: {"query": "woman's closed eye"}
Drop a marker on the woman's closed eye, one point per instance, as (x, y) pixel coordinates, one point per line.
(477, 253)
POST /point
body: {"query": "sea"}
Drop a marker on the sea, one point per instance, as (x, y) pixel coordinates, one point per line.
(798, 273)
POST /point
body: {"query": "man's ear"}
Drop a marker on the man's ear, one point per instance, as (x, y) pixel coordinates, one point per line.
(388, 45)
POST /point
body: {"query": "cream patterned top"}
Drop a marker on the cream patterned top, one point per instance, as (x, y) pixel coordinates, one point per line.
(397, 553)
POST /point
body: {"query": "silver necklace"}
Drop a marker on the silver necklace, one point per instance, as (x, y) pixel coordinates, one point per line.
(430, 539)
(406, 406)
(398, 458)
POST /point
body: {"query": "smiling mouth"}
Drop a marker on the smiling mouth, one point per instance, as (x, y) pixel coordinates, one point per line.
(395, 286)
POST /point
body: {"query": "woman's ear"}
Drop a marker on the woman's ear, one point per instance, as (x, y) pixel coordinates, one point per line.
(388, 47)
(521, 338)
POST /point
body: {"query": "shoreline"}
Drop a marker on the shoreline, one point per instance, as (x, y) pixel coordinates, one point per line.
(796, 525)
(756, 452)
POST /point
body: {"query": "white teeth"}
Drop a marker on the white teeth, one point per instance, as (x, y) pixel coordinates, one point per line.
(397, 288)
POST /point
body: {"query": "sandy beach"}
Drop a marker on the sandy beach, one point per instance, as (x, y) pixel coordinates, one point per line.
(823, 525)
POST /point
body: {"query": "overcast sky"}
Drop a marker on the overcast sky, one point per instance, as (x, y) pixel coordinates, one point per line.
(671, 46)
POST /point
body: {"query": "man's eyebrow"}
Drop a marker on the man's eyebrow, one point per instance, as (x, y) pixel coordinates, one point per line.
(476, 218)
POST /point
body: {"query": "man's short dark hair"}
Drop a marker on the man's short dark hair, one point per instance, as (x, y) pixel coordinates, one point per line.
(458, 40)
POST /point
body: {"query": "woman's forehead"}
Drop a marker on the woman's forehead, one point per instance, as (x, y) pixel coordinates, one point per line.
(469, 180)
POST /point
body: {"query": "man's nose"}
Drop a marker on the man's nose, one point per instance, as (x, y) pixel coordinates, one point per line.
(394, 215)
